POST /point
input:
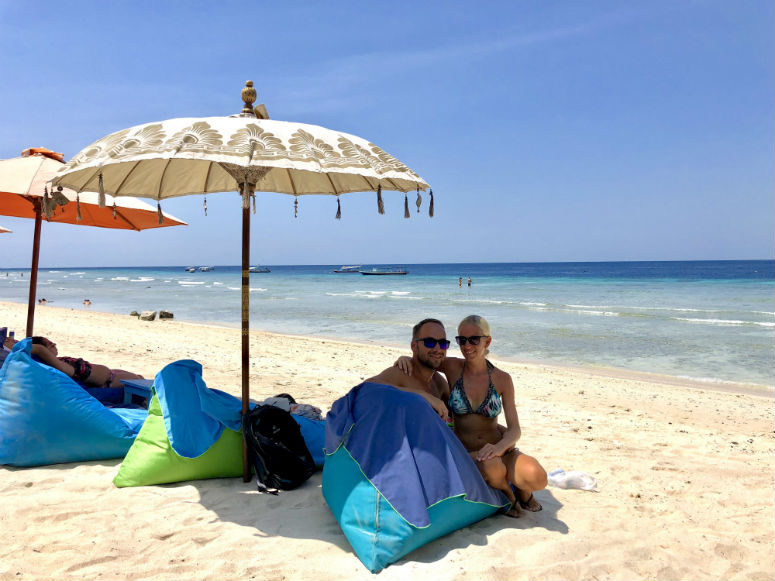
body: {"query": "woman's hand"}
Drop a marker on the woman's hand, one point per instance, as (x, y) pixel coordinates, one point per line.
(404, 363)
(488, 451)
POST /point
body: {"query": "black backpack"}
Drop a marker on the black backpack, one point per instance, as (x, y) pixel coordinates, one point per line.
(276, 449)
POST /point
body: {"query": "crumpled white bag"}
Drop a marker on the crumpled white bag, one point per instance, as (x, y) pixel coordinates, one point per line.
(573, 479)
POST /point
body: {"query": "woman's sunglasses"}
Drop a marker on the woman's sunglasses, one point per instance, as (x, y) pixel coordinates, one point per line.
(473, 339)
(430, 342)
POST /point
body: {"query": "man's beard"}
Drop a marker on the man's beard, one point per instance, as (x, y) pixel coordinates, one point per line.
(426, 361)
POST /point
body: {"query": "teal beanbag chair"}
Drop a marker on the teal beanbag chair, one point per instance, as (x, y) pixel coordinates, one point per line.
(47, 418)
(396, 477)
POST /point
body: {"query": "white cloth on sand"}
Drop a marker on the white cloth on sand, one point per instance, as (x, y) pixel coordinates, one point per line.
(574, 479)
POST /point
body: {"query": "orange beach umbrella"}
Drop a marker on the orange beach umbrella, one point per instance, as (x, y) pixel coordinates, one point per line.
(24, 194)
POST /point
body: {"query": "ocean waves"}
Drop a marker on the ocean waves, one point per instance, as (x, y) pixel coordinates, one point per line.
(720, 328)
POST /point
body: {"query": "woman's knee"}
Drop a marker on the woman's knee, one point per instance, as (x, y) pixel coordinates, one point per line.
(535, 474)
(493, 471)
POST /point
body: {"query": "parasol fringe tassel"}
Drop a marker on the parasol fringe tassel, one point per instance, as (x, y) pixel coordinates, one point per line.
(46, 203)
(159, 213)
(430, 208)
(296, 207)
(406, 206)
(253, 197)
(205, 205)
(419, 200)
(380, 203)
(78, 216)
(58, 198)
(101, 191)
(338, 209)
(114, 209)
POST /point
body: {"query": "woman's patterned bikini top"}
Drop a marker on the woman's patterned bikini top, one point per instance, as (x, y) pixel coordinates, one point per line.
(458, 400)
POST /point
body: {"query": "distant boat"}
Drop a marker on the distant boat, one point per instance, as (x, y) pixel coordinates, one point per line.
(385, 271)
(349, 269)
(191, 269)
(205, 268)
(259, 269)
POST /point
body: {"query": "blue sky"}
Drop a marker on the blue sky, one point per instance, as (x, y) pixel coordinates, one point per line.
(549, 131)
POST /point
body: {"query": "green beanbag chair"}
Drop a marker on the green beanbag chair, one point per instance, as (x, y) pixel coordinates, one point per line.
(192, 432)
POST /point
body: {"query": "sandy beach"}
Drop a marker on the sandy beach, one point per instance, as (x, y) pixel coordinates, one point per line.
(685, 473)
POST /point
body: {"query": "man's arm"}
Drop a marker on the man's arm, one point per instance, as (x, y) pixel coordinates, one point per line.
(398, 379)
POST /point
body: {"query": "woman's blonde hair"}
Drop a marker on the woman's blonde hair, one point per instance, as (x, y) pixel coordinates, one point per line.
(478, 321)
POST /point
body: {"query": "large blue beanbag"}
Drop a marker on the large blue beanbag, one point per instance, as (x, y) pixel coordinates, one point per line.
(396, 477)
(47, 418)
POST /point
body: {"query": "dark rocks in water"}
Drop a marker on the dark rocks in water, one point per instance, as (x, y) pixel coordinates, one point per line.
(148, 315)
(166, 315)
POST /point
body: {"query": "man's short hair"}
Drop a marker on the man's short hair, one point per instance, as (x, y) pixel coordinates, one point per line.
(418, 326)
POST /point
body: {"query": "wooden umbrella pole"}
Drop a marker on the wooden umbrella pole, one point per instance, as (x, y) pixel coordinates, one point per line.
(246, 476)
(34, 269)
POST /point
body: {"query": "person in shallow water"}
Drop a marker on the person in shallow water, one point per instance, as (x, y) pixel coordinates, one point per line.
(475, 380)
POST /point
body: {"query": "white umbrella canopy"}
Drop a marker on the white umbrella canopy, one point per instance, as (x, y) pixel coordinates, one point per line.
(24, 194)
(245, 153)
(186, 156)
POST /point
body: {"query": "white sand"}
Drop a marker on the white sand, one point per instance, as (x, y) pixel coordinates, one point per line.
(686, 477)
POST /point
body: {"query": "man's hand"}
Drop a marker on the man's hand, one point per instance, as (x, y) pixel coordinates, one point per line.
(439, 407)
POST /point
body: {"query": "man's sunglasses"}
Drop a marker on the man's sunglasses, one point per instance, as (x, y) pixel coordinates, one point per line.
(430, 342)
(473, 339)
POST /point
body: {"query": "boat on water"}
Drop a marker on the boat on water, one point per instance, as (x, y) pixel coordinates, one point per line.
(349, 269)
(205, 268)
(259, 269)
(384, 271)
(191, 269)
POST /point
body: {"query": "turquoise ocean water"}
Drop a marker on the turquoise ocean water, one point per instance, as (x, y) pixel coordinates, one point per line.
(706, 320)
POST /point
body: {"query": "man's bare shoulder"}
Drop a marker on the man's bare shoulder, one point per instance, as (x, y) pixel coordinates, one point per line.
(391, 376)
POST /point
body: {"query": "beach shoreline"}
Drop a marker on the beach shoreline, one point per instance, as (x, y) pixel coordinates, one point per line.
(685, 476)
(591, 369)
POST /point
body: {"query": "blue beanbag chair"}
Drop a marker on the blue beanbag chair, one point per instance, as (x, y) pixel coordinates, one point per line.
(396, 477)
(47, 418)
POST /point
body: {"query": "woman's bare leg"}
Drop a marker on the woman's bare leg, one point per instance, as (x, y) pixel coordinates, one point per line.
(494, 473)
(527, 475)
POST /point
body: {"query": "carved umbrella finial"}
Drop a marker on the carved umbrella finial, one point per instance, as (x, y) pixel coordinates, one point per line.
(248, 97)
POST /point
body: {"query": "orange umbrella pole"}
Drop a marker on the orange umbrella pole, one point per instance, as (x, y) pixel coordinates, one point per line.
(246, 476)
(34, 270)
